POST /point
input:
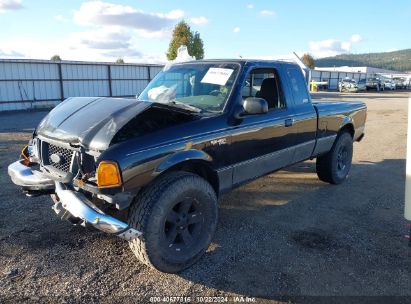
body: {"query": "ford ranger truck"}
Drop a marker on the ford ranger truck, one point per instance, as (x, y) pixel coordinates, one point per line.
(150, 170)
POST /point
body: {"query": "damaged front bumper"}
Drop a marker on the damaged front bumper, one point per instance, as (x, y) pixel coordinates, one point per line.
(80, 207)
(30, 180)
(73, 202)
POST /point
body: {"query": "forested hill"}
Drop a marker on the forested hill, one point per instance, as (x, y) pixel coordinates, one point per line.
(397, 60)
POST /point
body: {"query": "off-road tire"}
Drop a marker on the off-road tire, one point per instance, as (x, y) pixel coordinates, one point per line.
(334, 166)
(150, 213)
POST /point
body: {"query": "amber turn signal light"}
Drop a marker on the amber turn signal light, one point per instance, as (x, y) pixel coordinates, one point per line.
(25, 156)
(108, 174)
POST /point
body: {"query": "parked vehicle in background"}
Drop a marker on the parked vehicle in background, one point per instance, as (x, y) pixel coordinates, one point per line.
(389, 84)
(400, 83)
(348, 85)
(362, 85)
(374, 84)
(351, 85)
(150, 170)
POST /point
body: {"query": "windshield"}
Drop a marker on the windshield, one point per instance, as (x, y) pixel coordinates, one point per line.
(194, 86)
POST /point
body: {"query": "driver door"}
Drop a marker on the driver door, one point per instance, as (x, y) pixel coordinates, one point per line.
(263, 143)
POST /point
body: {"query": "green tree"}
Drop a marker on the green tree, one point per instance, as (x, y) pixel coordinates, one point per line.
(308, 61)
(119, 60)
(182, 35)
(197, 46)
(55, 58)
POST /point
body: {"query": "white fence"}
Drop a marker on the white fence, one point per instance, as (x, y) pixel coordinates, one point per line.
(29, 84)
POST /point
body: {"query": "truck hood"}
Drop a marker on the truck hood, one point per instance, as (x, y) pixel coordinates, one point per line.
(89, 121)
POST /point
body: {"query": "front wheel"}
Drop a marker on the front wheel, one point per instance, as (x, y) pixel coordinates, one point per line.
(334, 166)
(178, 217)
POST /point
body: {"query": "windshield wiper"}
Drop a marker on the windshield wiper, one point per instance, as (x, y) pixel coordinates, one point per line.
(186, 106)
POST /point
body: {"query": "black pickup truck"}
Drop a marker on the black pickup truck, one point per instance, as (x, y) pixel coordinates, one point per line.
(150, 170)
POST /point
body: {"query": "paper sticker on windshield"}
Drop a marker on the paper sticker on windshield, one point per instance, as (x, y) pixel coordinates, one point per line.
(217, 76)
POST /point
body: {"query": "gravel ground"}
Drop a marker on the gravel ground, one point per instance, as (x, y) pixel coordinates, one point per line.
(284, 237)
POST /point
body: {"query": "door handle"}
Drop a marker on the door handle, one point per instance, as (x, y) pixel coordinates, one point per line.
(288, 122)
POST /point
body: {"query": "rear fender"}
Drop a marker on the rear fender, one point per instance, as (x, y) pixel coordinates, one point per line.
(346, 121)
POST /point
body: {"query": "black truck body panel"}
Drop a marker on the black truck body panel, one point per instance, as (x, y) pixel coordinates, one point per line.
(229, 150)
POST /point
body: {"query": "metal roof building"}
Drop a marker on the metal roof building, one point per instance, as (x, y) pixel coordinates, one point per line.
(333, 75)
(349, 69)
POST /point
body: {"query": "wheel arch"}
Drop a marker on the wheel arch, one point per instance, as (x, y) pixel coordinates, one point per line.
(194, 161)
(347, 126)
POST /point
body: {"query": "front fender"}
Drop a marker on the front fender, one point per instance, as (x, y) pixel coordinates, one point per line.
(182, 156)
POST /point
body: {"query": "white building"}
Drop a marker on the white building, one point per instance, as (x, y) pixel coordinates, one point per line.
(333, 75)
(364, 70)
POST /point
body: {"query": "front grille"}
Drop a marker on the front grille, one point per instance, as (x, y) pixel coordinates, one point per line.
(63, 155)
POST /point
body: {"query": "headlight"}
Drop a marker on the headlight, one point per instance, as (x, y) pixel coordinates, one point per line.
(108, 174)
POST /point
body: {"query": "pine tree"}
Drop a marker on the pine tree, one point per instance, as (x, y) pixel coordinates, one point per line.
(182, 35)
(197, 47)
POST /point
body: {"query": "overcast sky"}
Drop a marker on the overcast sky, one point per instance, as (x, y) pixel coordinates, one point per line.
(140, 30)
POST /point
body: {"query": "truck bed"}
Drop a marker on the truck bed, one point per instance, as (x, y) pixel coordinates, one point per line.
(333, 115)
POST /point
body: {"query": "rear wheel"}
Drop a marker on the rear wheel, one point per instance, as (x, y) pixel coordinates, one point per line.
(178, 216)
(334, 166)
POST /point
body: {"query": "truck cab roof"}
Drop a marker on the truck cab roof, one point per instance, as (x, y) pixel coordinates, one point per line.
(243, 61)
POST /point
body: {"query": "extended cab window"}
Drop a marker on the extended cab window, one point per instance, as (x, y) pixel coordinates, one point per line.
(298, 86)
(264, 83)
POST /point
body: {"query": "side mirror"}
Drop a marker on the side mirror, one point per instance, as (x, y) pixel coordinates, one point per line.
(255, 105)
